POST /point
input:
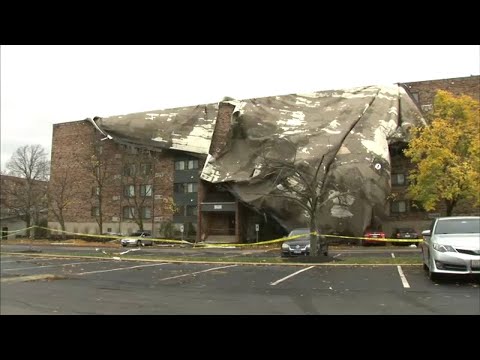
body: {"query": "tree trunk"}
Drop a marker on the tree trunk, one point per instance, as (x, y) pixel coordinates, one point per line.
(450, 205)
(313, 236)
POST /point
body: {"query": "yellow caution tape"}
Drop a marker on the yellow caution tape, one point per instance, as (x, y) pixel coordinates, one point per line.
(268, 242)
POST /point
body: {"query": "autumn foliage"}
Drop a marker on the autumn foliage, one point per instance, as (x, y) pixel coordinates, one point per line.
(446, 154)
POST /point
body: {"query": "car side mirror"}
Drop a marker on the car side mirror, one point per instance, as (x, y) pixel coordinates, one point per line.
(426, 232)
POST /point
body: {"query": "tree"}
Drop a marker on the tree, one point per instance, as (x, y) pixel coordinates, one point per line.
(307, 184)
(61, 195)
(137, 183)
(101, 168)
(446, 154)
(28, 198)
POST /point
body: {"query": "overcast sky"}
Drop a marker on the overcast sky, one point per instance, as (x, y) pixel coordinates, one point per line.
(45, 85)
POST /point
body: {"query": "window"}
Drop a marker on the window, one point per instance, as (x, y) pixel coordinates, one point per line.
(129, 190)
(192, 187)
(146, 190)
(182, 188)
(399, 206)
(129, 170)
(180, 165)
(191, 210)
(146, 169)
(398, 179)
(192, 164)
(95, 211)
(179, 188)
(128, 212)
(146, 212)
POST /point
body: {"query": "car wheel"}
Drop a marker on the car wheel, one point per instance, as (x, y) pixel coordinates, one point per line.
(425, 267)
(124, 245)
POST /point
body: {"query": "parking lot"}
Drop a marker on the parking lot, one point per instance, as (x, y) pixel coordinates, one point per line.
(36, 285)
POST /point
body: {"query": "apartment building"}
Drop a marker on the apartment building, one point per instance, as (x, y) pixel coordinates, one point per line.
(118, 187)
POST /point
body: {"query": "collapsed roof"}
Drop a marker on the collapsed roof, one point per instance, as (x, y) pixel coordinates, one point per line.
(352, 128)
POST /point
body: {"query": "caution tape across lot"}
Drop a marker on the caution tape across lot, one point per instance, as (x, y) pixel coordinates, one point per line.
(202, 244)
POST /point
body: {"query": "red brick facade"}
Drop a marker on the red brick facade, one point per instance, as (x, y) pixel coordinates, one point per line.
(73, 145)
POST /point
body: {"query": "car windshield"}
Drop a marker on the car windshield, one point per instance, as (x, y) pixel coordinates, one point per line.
(458, 226)
(140, 233)
(299, 232)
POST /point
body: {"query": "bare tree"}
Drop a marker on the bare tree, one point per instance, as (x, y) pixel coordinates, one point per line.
(137, 186)
(101, 167)
(61, 195)
(27, 198)
(308, 184)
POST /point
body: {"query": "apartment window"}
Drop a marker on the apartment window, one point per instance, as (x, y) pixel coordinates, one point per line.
(179, 188)
(398, 179)
(146, 169)
(192, 164)
(180, 165)
(146, 190)
(129, 190)
(192, 187)
(95, 211)
(397, 207)
(146, 212)
(191, 210)
(128, 212)
(129, 170)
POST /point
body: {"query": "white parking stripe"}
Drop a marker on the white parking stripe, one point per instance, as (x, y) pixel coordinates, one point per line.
(289, 276)
(402, 276)
(393, 255)
(197, 272)
(117, 269)
(337, 255)
(58, 265)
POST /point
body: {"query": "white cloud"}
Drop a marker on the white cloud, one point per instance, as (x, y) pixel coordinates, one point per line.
(43, 85)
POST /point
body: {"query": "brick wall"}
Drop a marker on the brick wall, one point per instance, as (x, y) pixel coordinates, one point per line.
(73, 145)
(424, 91)
(223, 127)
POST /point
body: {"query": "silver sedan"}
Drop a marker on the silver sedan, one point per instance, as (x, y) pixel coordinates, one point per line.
(452, 246)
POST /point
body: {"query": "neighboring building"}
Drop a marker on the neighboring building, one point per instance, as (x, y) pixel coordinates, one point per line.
(12, 223)
(161, 189)
(423, 92)
(404, 212)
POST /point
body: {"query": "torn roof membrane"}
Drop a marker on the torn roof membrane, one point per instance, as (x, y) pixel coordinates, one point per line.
(354, 127)
(187, 129)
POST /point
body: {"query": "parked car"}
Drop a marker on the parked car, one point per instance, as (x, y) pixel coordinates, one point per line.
(299, 245)
(452, 246)
(370, 235)
(138, 238)
(405, 234)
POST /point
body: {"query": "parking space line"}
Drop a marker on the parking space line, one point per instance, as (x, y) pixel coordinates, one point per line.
(118, 269)
(393, 255)
(402, 277)
(289, 276)
(197, 272)
(56, 265)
